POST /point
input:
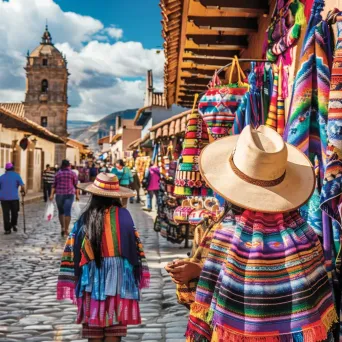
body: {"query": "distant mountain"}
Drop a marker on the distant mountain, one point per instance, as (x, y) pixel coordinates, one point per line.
(91, 132)
(78, 124)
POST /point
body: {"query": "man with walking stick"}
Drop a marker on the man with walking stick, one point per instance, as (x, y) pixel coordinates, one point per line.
(10, 181)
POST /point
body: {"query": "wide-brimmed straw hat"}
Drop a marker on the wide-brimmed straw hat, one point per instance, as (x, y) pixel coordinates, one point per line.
(257, 170)
(107, 185)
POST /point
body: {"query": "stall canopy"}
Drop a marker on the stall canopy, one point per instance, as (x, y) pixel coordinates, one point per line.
(199, 35)
(170, 127)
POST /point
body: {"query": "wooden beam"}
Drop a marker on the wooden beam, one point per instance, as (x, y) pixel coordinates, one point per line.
(194, 81)
(196, 71)
(218, 41)
(205, 46)
(240, 6)
(210, 54)
(193, 29)
(191, 65)
(203, 63)
(236, 24)
(196, 8)
(195, 75)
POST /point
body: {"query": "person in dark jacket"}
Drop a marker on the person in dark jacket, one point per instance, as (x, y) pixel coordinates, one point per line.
(135, 185)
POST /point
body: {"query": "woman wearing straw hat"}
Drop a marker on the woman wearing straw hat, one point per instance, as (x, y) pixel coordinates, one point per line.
(103, 266)
(264, 277)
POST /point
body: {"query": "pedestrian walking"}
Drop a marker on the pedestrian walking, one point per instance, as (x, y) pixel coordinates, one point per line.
(10, 182)
(107, 266)
(124, 175)
(48, 180)
(135, 186)
(103, 168)
(93, 172)
(65, 189)
(151, 183)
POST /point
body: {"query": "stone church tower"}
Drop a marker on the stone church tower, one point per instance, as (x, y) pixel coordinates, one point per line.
(46, 101)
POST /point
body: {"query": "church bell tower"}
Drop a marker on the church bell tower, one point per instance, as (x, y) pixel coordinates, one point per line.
(46, 100)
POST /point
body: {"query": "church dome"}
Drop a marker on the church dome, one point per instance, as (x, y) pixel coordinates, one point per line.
(46, 48)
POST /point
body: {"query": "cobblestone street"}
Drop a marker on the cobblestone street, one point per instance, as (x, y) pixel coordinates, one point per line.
(29, 267)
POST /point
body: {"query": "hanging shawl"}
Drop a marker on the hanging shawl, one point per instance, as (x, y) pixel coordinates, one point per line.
(332, 185)
(266, 92)
(249, 110)
(276, 114)
(307, 124)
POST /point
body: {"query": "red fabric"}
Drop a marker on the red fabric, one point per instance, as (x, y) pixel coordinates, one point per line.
(308, 6)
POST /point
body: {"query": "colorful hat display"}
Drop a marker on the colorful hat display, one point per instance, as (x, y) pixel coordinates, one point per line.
(188, 181)
(107, 185)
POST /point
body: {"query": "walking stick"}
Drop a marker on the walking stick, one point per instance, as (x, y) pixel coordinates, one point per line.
(23, 204)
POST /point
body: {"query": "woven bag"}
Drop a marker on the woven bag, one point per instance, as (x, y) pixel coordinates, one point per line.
(219, 104)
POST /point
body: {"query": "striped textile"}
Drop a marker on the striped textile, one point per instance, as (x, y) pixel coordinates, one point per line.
(264, 280)
(307, 124)
(276, 114)
(332, 185)
(102, 333)
(273, 284)
(49, 176)
(198, 325)
(188, 180)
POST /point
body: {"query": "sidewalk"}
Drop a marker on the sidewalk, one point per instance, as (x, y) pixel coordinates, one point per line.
(29, 266)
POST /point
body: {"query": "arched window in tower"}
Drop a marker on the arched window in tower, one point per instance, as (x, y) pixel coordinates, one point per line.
(45, 62)
(45, 86)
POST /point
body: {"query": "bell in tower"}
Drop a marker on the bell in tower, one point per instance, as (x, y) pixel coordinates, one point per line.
(46, 100)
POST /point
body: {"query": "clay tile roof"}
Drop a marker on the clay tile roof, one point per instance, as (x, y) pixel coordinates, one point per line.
(171, 126)
(134, 144)
(104, 140)
(14, 108)
(158, 99)
(171, 23)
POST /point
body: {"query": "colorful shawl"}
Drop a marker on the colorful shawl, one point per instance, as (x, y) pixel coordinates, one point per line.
(273, 286)
(276, 114)
(199, 329)
(307, 124)
(109, 294)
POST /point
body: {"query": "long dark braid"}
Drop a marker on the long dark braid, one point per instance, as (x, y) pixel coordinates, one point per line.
(92, 220)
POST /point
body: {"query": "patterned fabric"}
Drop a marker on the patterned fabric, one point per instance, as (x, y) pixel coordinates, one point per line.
(276, 114)
(285, 28)
(332, 185)
(307, 124)
(107, 295)
(219, 104)
(102, 333)
(198, 325)
(273, 273)
(189, 181)
(49, 176)
(263, 268)
(65, 182)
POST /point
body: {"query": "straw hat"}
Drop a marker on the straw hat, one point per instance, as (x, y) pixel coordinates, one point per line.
(107, 185)
(256, 170)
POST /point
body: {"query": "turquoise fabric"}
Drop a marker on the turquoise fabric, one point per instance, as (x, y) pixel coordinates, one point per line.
(125, 175)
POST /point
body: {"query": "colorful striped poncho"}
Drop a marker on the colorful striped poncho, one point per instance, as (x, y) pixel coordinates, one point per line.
(107, 295)
(307, 124)
(264, 280)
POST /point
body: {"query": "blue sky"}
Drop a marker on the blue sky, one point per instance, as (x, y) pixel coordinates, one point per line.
(139, 19)
(109, 46)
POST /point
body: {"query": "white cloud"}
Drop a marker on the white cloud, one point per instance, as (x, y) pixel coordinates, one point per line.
(114, 32)
(106, 75)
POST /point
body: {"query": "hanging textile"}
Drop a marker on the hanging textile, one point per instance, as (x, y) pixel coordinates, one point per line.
(266, 91)
(249, 110)
(332, 185)
(276, 114)
(285, 28)
(307, 123)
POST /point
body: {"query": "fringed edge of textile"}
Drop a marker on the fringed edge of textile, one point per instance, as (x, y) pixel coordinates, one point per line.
(315, 332)
(197, 330)
(201, 312)
(66, 291)
(141, 272)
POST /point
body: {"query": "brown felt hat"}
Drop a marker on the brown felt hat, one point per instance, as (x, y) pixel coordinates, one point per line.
(257, 170)
(107, 185)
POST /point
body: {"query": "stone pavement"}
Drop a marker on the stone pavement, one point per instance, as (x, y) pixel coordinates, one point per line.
(29, 267)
